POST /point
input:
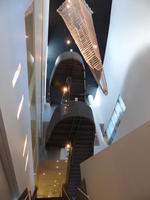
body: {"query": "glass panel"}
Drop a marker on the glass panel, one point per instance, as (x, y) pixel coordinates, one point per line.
(122, 104)
(111, 129)
(115, 119)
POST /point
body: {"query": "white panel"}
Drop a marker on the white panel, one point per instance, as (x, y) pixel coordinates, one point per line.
(127, 64)
(12, 53)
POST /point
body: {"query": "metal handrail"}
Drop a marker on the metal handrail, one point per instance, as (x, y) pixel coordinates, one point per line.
(84, 194)
(66, 193)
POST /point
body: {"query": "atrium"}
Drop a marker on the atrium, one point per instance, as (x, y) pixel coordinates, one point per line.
(77, 73)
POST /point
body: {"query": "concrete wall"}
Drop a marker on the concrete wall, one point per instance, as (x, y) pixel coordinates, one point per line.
(127, 65)
(121, 171)
(4, 187)
(13, 53)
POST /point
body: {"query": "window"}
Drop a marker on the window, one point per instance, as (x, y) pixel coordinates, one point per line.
(115, 120)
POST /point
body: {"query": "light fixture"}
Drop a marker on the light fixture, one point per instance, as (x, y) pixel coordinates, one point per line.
(57, 167)
(71, 50)
(59, 173)
(20, 107)
(57, 161)
(95, 46)
(68, 6)
(25, 145)
(54, 185)
(77, 16)
(68, 41)
(65, 89)
(26, 36)
(44, 174)
(16, 75)
(68, 147)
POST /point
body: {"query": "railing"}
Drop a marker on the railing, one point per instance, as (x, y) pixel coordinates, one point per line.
(82, 195)
(65, 194)
(26, 195)
(34, 196)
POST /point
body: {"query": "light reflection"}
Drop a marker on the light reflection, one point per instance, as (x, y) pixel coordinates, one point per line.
(20, 107)
(26, 164)
(16, 75)
(25, 145)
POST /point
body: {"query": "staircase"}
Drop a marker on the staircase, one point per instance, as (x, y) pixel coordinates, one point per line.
(76, 125)
(72, 120)
(82, 150)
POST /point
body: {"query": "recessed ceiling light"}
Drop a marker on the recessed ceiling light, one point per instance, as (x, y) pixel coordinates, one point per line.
(57, 161)
(54, 185)
(68, 41)
(57, 167)
(71, 50)
(59, 173)
(44, 174)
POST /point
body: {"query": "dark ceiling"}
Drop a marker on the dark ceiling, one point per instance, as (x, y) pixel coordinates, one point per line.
(58, 33)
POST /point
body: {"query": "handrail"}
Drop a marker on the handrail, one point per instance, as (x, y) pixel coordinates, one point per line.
(83, 193)
(64, 190)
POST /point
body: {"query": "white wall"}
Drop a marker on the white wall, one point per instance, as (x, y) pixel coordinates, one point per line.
(13, 52)
(127, 65)
(4, 187)
(121, 171)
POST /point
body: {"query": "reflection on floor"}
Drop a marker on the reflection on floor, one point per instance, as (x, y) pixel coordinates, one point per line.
(50, 178)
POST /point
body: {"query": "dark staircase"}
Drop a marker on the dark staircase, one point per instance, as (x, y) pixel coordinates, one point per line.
(83, 147)
(77, 126)
(72, 121)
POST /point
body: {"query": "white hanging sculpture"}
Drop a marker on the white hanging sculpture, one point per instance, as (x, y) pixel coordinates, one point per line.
(77, 16)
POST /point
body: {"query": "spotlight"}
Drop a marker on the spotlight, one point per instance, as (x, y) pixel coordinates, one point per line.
(68, 41)
(65, 89)
(68, 147)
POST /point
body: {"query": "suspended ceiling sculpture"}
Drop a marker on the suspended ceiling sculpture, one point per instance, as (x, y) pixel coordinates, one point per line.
(78, 18)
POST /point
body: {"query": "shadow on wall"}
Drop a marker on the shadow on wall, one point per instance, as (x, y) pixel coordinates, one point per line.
(136, 94)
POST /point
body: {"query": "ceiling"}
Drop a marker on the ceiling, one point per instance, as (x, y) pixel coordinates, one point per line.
(58, 33)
